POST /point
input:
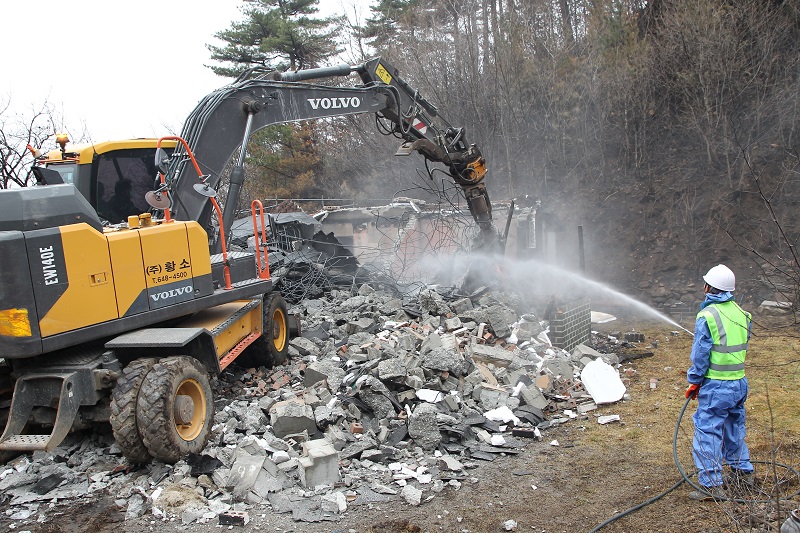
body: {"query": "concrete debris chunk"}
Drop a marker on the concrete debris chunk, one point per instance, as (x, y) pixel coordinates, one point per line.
(461, 306)
(391, 369)
(500, 319)
(423, 427)
(361, 325)
(490, 397)
(443, 359)
(319, 464)
(490, 354)
(292, 416)
(411, 495)
(323, 370)
(304, 346)
(559, 367)
(452, 324)
(334, 502)
(355, 449)
(532, 396)
(772, 307)
(451, 463)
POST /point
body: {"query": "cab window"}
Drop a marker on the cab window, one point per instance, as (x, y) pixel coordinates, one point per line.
(67, 171)
(122, 179)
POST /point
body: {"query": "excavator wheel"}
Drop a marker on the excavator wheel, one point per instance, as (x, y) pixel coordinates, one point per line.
(175, 409)
(271, 348)
(123, 410)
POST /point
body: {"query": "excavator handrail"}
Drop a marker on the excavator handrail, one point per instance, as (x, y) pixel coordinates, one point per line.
(263, 272)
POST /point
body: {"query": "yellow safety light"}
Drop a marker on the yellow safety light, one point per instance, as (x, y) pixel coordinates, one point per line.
(15, 323)
(62, 139)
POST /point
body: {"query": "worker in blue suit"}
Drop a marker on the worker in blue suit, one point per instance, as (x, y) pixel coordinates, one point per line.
(716, 379)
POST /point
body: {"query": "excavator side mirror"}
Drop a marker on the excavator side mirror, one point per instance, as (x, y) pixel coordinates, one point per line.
(162, 160)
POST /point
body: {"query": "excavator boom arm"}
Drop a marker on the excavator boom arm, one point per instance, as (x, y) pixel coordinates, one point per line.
(238, 110)
(225, 119)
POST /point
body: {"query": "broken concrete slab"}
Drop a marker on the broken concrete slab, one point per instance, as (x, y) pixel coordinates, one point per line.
(304, 346)
(391, 369)
(490, 354)
(771, 307)
(558, 367)
(490, 397)
(461, 306)
(356, 448)
(244, 471)
(361, 325)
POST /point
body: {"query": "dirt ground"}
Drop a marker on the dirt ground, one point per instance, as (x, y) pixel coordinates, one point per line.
(593, 473)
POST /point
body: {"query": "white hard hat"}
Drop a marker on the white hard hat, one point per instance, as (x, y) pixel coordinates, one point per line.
(721, 277)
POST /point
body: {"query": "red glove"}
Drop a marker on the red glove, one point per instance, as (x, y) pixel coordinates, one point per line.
(691, 392)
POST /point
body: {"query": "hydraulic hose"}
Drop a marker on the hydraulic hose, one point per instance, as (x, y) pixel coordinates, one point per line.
(687, 479)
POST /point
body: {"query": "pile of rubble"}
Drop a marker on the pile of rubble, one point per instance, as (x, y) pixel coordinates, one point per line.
(374, 403)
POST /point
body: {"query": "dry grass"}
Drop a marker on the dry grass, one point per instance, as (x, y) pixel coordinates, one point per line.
(773, 411)
(773, 371)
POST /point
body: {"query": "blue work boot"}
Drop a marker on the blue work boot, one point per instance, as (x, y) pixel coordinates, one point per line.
(708, 493)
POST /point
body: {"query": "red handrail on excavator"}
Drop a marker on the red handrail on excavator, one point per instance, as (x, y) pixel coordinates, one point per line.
(212, 196)
(262, 273)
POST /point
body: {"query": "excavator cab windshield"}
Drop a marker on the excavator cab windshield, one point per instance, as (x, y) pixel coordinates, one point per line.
(121, 180)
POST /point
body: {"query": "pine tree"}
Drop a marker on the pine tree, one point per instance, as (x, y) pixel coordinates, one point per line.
(390, 18)
(275, 34)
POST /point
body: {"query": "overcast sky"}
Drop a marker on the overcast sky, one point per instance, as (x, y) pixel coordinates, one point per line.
(117, 69)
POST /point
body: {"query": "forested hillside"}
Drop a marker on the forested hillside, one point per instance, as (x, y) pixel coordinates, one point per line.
(667, 128)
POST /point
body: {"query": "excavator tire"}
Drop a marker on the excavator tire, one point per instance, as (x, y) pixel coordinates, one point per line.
(123, 410)
(272, 347)
(175, 409)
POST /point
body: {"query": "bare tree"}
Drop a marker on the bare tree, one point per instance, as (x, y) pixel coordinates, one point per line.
(17, 133)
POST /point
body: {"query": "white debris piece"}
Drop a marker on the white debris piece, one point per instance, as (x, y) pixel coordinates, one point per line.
(601, 318)
(510, 525)
(430, 395)
(411, 495)
(606, 419)
(501, 414)
(542, 337)
(602, 382)
(498, 440)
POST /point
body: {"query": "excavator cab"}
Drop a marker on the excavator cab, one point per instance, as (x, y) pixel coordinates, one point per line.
(114, 176)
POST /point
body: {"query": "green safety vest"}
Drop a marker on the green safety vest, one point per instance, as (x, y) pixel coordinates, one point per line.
(729, 325)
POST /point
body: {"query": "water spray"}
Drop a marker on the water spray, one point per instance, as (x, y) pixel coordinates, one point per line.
(531, 277)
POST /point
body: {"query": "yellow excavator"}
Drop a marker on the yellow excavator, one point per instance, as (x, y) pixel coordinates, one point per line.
(118, 295)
